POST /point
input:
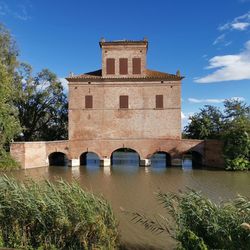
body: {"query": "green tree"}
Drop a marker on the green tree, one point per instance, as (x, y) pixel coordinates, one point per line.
(236, 134)
(42, 105)
(9, 123)
(206, 124)
(235, 108)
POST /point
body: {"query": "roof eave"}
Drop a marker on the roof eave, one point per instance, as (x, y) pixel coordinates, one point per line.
(102, 79)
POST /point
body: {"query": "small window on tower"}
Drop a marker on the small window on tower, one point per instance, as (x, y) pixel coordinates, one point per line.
(110, 66)
(123, 102)
(123, 66)
(136, 65)
(88, 101)
(159, 101)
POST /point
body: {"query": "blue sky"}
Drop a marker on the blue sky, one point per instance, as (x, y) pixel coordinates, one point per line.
(208, 40)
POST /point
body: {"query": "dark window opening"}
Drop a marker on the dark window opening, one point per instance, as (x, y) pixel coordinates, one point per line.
(110, 66)
(123, 102)
(159, 101)
(58, 159)
(123, 66)
(88, 101)
(136, 65)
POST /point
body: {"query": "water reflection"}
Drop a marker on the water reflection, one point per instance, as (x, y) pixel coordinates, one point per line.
(125, 157)
(187, 164)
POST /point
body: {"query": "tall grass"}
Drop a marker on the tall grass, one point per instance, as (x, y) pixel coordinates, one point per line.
(54, 216)
(198, 223)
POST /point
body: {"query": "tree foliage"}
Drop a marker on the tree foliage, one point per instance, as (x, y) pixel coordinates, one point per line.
(9, 123)
(42, 105)
(206, 124)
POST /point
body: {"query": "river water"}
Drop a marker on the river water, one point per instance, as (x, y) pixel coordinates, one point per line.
(131, 188)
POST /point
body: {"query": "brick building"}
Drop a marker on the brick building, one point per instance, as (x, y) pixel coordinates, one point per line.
(121, 105)
(124, 100)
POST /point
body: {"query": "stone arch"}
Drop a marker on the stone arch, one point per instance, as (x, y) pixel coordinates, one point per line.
(84, 158)
(128, 152)
(163, 158)
(58, 159)
(196, 158)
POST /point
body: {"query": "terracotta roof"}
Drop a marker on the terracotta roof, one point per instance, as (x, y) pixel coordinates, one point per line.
(150, 74)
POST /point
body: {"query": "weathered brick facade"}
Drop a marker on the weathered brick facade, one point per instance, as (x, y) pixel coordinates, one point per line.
(122, 105)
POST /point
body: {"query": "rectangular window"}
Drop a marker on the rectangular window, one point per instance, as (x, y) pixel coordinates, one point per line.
(136, 65)
(88, 101)
(159, 101)
(123, 102)
(110, 66)
(123, 66)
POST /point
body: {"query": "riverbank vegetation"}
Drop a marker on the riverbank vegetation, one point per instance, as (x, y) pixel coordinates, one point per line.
(196, 222)
(54, 216)
(32, 107)
(231, 125)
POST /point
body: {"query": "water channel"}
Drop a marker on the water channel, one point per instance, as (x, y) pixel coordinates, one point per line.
(130, 187)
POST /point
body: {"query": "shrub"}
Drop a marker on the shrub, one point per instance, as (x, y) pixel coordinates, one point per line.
(198, 223)
(7, 162)
(238, 163)
(54, 216)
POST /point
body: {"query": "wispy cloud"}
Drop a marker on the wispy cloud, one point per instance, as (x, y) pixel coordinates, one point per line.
(194, 100)
(19, 11)
(219, 39)
(239, 23)
(228, 67)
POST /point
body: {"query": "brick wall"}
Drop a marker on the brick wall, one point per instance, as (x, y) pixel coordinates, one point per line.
(141, 120)
(123, 51)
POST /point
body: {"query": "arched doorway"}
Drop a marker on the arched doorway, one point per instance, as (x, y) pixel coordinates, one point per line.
(58, 159)
(192, 159)
(89, 159)
(161, 159)
(125, 157)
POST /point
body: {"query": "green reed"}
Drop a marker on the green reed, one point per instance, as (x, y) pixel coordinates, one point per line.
(54, 216)
(198, 223)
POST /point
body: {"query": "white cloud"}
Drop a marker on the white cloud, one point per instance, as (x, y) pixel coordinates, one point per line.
(239, 23)
(185, 118)
(229, 67)
(194, 100)
(219, 39)
(240, 26)
(64, 83)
